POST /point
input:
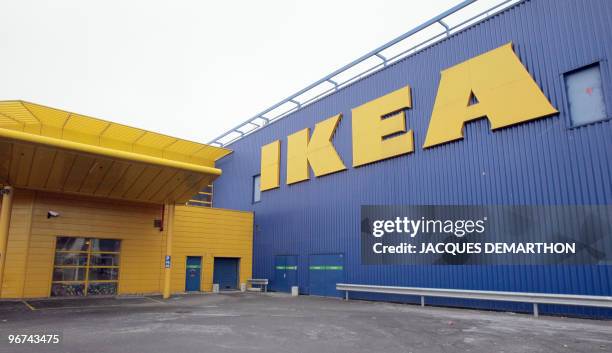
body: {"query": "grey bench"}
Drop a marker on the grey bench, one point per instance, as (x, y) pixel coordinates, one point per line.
(262, 282)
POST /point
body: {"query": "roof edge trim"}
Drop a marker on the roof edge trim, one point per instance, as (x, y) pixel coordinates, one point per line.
(104, 151)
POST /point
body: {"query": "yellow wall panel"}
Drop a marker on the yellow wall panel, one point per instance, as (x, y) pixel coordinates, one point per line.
(506, 94)
(17, 247)
(132, 223)
(198, 231)
(375, 138)
(316, 150)
(194, 236)
(270, 166)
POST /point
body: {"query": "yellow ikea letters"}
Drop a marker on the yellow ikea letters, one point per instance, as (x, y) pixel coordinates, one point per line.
(370, 129)
(270, 166)
(317, 151)
(505, 93)
(494, 85)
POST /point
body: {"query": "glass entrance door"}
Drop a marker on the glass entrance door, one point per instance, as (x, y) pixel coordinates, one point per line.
(85, 266)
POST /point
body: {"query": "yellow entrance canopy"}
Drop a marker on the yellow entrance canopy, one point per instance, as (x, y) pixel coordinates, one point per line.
(48, 149)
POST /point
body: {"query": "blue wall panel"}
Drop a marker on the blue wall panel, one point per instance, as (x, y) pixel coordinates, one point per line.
(325, 271)
(539, 162)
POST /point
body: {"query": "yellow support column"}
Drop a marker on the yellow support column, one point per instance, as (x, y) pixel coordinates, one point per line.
(168, 259)
(5, 222)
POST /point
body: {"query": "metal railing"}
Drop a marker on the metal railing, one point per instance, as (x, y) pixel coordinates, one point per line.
(368, 64)
(522, 297)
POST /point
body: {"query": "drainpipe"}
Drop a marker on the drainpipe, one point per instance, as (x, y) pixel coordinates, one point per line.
(168, 258)
(5, 221)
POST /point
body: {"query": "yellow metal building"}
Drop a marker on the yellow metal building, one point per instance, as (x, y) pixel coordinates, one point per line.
(91, 207)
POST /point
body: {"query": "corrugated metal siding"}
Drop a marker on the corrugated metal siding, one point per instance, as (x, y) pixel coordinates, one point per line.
(210, 233)
(539, 162)
(32, 238)
(198, 231)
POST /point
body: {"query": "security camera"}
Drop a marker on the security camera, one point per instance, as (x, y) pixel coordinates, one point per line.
(52, 214)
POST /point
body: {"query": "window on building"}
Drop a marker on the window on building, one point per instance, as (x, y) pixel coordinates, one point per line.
(256, 188)
(203, 198)
(585, 95)
(85, 266)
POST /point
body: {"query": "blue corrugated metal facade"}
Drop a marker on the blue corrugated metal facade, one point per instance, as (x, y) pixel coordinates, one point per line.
(535, 163)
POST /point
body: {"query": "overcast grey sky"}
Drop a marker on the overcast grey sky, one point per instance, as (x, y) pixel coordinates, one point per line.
(191, 69)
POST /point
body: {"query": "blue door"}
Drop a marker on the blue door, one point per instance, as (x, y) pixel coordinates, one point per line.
(193, 273)
(226, 273)
(324, 272)
(285, 273)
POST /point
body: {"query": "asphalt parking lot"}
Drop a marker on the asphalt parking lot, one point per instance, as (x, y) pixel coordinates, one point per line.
(258, 322)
